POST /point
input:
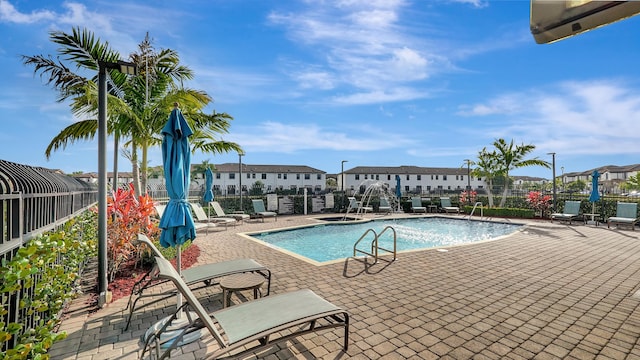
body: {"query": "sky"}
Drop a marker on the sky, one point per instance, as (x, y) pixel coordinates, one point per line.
(375, 83)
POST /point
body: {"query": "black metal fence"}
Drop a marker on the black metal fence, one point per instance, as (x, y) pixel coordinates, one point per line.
(33, 201)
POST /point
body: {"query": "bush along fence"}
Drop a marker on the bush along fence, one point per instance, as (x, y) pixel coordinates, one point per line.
(43, 246)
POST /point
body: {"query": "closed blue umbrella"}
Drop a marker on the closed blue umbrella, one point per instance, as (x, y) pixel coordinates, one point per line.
(208, 190)
(595, 194)
(177, 223)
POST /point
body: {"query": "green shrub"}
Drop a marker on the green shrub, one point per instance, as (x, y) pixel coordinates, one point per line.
(50, 265)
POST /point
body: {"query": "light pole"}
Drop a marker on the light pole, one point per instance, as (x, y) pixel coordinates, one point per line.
(240, 178)
(553, 164)
(344, 194)
(129, 69)
(468, 174)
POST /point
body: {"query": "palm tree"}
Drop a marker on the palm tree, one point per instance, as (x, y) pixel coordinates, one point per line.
(138, 107)
(509, 157)
(487, 168)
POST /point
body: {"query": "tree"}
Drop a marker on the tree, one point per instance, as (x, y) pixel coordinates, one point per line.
(138, 107)
(510, 157)
(487, 168)
(632, 183)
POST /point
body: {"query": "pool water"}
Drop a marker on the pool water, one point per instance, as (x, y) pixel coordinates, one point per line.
(328, 242)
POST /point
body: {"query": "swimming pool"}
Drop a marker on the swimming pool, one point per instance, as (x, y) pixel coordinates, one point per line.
(326, 242)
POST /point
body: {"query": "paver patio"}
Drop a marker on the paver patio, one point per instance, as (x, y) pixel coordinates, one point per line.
(551, 291)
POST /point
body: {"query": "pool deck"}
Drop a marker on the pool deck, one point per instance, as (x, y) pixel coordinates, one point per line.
(550, 291)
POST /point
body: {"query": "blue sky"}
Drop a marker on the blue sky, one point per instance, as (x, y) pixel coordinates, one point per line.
(377, 83)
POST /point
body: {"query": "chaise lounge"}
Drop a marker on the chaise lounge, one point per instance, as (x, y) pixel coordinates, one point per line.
(445, 203)
(416, 205)
(626, 214)
(201, 275)
(249, 326)
(571, 212)
(261, 212)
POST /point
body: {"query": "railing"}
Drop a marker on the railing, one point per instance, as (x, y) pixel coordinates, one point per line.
(474, 209)
(32, 202)
(375, 247)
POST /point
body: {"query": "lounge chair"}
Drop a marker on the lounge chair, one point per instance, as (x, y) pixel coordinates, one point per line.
(202, 217)
(571, 212)
(261, 212)
(416, 205)
(201, 275)
(384, 207)
(357, 206)
(445, 204)
(238, 216)
(249, 326)
(626, 214)
(199, 225)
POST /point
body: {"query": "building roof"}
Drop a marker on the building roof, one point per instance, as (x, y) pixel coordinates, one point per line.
(248, 168)
(406, 170)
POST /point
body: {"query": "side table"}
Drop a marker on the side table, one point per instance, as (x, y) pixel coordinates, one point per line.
(594, 218)
(235, 283)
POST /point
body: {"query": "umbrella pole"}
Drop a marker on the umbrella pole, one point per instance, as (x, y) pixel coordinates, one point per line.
(179, 266)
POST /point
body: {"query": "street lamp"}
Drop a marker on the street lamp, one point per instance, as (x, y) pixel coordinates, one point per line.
(553, 162)
(128, 69)
(468, 174)
(344, 194)
(240, 178)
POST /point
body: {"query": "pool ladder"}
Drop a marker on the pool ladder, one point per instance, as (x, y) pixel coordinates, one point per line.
(375, 248)
(474, 209)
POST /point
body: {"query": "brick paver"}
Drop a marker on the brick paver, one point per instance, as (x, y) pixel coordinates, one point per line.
(550, 291)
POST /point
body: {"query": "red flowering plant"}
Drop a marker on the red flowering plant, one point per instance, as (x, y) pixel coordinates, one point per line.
(539, 202)
(468, 197)
(127, 216)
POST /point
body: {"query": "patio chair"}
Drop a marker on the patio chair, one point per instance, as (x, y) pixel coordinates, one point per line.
(357, 206)
(202, 217)
(249, 326)
(445, 204)
(626, 214)
(416, 205)
(199, 225)
(384, 207)
(238, 216)
(261, 212)
(571, 212)
(199, 277)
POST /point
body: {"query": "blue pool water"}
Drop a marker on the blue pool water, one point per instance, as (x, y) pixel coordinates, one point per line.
(335, 241)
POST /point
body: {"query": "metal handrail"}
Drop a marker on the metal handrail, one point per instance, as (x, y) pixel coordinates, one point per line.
(474, 209)
(375, 248)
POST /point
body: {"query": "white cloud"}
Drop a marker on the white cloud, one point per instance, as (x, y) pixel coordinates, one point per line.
(578, 117)
(8, 13)
(288, 138)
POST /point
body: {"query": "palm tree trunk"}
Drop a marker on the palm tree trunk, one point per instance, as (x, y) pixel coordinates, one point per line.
(134, 168)
(143, 169)
(506, 190)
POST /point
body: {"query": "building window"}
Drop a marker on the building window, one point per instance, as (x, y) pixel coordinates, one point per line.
(431, 177)
(357, 176)
(264, 176)
(444, 177)
(377, 177)
(419, 177)
(462, 177)
(285, 176)
(297, 176)
(307, 176)
(366, 176)
(249, 176)
(319, 176)
(217, 175)
(279, 176)
(408, 176)
(388, 177)
(232, 176)
(437, 177)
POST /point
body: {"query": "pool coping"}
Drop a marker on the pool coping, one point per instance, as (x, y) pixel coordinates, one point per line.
(248, 235)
